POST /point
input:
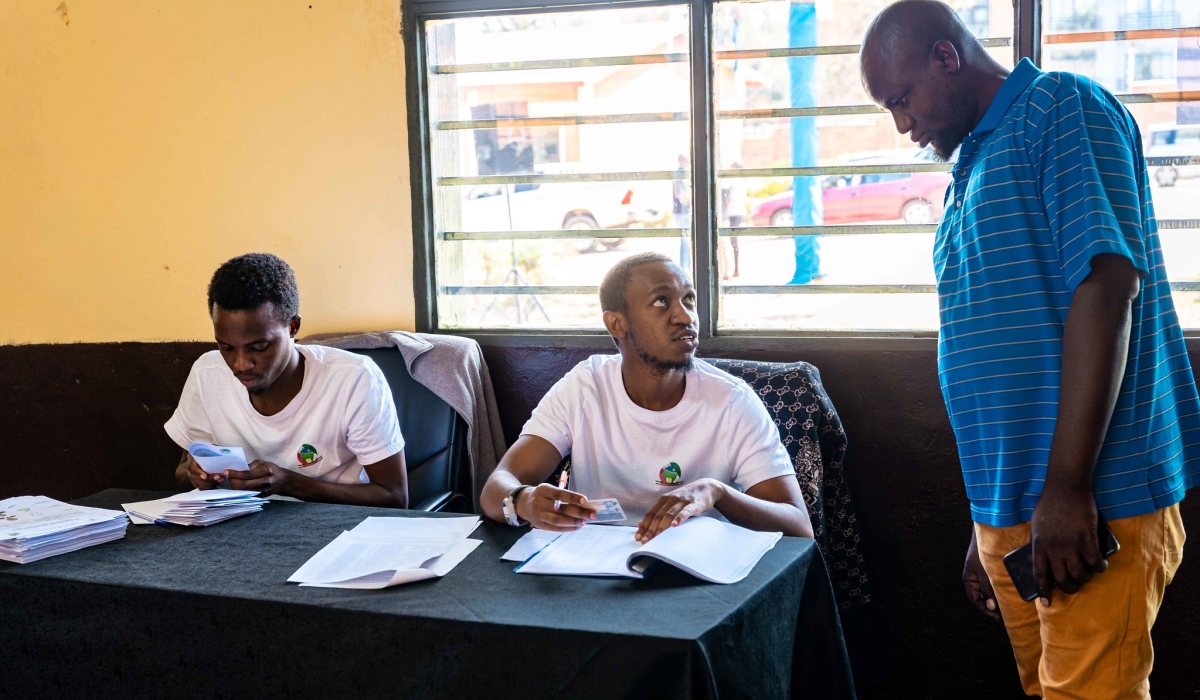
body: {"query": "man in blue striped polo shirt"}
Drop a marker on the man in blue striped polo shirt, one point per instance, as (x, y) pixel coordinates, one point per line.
(1060, 355)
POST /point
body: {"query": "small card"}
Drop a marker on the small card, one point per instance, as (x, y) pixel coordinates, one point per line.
(215, 459)
(608, 510)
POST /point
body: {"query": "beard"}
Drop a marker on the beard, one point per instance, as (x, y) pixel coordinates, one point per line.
(945, 141)
(658, 365)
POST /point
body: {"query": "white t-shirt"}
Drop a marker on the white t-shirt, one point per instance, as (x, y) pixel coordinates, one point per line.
(720, 429)
(343, 417)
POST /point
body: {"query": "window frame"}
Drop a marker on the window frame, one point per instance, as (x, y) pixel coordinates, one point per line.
(1026, 43)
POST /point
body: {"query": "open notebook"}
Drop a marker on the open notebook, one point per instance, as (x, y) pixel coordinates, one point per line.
(706, 548)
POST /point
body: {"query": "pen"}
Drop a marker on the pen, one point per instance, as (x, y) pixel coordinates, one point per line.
(563, 478)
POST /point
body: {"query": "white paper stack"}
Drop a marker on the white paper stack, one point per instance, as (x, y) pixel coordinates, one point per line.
(382, 552)
(195, 507)
(36, 527)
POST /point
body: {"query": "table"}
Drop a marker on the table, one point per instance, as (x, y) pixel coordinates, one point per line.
(171, 611)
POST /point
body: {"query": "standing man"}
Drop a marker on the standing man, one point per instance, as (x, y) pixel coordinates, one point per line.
(1060, 355)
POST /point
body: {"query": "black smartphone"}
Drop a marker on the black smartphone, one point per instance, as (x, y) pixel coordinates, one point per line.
(1019, 562)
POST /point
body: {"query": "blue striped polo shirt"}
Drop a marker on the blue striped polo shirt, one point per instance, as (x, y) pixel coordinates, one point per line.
(1050, 177)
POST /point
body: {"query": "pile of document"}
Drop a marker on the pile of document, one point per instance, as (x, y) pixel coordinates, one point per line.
(36, 527)
(382, 552)
(195, 507)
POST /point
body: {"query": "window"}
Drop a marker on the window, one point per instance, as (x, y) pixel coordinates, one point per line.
(734, 137)
(1147, 52)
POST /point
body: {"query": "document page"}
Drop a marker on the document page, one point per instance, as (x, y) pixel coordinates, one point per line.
(351, 557)
(593, 550)
(710, 549)
(530, 544)
(409, 528)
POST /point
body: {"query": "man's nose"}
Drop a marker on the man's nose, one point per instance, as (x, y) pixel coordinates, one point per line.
(904, 123)
(682, 315)
(242, 362)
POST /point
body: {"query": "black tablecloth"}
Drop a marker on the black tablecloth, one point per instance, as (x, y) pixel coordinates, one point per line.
(206, 612)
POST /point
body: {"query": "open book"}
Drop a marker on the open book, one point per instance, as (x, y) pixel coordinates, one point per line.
(706, 548)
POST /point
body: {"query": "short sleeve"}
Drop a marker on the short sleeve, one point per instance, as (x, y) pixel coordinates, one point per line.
(551, 420)
(1089, 184)
(372, 428)
(756, 451)
(190, 421)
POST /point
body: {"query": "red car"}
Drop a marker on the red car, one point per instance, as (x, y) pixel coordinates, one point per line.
(915, 198)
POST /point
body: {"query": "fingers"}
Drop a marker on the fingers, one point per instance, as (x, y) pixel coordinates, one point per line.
(647, 521)
(578, 512)
(1042, 575)
(547, 491)
(667, 515)
(568, 516)
(979, 587)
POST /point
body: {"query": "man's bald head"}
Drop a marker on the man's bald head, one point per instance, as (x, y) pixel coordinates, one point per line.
(921, 63)
(906, 31)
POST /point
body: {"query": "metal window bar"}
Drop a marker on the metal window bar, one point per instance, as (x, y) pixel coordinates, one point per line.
(1125, 35)
(832, 230)
(777, 113)
(779, 289)
(659, 58)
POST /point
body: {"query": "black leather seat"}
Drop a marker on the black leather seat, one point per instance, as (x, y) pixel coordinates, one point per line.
(435, 439)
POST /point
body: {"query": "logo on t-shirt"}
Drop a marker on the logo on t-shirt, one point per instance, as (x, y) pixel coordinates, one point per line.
(307, 456)
(670, 475)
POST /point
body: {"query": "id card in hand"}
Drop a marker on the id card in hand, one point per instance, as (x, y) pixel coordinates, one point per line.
(607, 510)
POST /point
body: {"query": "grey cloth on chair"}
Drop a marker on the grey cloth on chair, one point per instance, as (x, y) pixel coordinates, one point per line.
(453, 368)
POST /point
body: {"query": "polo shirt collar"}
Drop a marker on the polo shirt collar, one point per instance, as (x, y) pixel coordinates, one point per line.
(1013, 86)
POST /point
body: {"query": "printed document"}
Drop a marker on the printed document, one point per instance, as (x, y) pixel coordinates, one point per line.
(706, 548)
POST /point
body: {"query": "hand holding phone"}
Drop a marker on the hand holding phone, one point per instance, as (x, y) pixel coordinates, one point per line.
(1019, 562)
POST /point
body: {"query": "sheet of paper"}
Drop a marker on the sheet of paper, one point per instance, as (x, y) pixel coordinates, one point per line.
(209, 495)
(530, 544)
(433, 568)
(215, 459)
(407, 528)
(351, 557)
(592, 550)
(710, 549)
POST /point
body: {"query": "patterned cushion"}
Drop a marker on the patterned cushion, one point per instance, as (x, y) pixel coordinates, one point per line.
(812, 433)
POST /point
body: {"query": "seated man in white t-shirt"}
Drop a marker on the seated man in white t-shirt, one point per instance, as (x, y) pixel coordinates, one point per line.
(316, 423)
(667, 435)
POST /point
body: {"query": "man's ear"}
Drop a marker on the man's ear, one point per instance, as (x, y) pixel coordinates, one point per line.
(294, 326)
(616, 324)
(946, 55)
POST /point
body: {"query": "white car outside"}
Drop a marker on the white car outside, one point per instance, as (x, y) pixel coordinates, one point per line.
(1173, 141)
(572, 206)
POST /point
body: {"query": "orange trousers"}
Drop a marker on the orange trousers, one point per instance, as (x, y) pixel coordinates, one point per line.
(1095, 644)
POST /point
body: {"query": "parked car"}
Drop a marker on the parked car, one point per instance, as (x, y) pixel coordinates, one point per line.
(573, 206)
(916, 198)
(1173, 140)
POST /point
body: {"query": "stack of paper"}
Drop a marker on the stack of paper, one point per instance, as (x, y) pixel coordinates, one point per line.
(36, 527)
(382, 552)
(195, 507)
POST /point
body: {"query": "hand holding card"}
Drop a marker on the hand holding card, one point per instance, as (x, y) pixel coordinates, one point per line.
(216, 459)
(608, 510)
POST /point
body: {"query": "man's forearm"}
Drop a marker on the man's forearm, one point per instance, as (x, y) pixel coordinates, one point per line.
(307, 488)
(1095, 346)
(764, 516)
(498, 486)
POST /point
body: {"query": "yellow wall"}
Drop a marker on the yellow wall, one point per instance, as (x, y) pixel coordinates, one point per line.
(144, 142)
